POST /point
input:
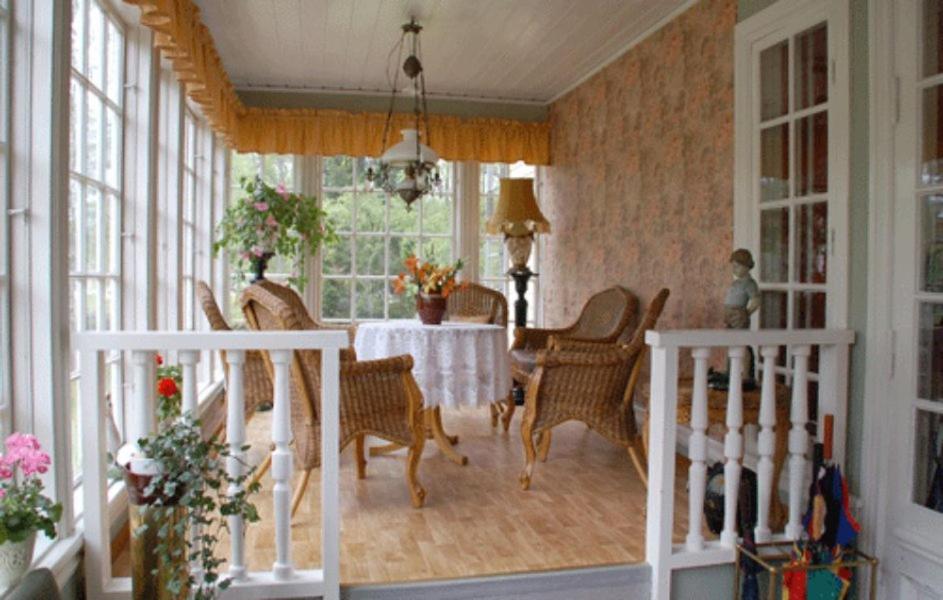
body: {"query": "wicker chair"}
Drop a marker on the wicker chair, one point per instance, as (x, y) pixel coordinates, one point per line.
(472, 301)
(377, 397)
(591, 382)
(604, 318)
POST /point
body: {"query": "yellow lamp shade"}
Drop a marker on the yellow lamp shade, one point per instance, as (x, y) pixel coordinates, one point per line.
(517, 213)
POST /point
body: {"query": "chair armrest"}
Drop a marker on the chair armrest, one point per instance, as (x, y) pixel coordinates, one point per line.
(396, 364)
(560, 358)
(527, 338)
(577, 345)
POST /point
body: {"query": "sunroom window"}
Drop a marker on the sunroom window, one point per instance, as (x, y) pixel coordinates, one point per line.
(95, 188)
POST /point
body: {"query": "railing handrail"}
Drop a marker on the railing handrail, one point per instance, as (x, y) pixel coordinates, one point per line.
(711, 338)
(210, 340)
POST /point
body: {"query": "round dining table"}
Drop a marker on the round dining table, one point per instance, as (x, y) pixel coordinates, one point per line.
(455, 364)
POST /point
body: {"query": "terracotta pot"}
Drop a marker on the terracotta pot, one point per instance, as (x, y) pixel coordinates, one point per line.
(431, 308)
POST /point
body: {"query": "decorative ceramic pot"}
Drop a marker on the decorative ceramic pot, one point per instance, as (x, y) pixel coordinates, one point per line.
(431, 308)
(15, 558)
(259, 264)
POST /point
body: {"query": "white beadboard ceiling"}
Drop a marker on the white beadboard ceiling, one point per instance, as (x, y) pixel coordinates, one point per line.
(495, 50)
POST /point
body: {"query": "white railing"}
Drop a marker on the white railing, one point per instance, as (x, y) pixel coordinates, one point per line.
(283, 580)
(666, 346)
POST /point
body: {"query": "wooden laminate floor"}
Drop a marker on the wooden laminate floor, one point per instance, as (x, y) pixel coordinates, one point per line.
(585, 508)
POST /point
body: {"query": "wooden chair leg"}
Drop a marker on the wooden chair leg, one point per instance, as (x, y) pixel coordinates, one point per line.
(262, 469)
(416, 492)
(361, 459)
(530, 452)
(543, 445)
(300, 491)
(495, 412)
(639, 458)
(508, 412)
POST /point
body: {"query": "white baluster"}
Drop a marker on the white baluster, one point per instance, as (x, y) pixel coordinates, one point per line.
(697, 450)
(766, 487)
(282, 569)
(235, 437)
(798, 439)
(330, 465)
(733, 447)
(188, 360)
(144, 409)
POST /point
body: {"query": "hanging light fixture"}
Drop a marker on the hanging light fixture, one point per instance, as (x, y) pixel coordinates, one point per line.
(408, 168)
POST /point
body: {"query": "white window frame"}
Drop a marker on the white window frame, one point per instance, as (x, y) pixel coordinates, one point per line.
(6, 388)
(451, 193)
(780, 22)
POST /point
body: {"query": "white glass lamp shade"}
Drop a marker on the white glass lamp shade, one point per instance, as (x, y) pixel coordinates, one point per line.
(404, 152)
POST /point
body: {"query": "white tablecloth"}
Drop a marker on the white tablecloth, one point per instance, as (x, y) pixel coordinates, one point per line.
(455, 364)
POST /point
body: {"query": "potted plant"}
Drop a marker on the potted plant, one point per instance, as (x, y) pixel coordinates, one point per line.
(268, 221)
(431, 283)
(179, 486)
(24, 510)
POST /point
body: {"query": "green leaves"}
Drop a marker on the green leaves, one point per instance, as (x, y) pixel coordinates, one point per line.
(24, 509)
(272, 220)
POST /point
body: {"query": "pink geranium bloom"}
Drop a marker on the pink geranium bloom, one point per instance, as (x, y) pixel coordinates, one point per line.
(24, 449)
(271, 222)
(282, 191)
(258, 251)
(6, 471)
(261, 206)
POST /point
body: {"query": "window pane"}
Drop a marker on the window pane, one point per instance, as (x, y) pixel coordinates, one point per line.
(773, 310)
(339, 209)
(930, 352)
(774, 162)
(370, 298)
(243, 166)
(75, 200)
(402, 306)
(774, 81)
(76, 139)
(437, 250)
(337, 257)
(370, 255)
(403, 220)
(279, 169)
(812, 245)
(96, 45)
(928, 460)
(109, 231)
(371, 212)
(437, 214)
(337, 172)
(812, 154)
(931, 169)
(335, 299)
(78, 35)
(400, 248)
(932, 37)
(93, 110)
(112, 147)
(931, 227)
(91, 231)
(115, 63)
(810, 310)
(812, 67)
(774, 245)
(491, 261)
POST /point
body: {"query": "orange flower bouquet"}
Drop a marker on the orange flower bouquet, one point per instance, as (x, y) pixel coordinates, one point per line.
(431, 283)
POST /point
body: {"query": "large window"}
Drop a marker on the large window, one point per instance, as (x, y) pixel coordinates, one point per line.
(377, 232)
(493, 261)
(95, 156)
(5, 407)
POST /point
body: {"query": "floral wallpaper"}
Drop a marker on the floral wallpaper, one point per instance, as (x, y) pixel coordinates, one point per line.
(640, 193)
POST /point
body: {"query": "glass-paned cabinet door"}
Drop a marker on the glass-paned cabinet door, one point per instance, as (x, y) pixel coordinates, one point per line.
(792, 200)
(926, 206)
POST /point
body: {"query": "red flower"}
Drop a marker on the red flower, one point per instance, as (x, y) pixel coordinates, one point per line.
(167, 387)
(159, 359)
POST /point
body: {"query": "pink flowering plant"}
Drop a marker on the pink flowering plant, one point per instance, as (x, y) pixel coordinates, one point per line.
(23, 508)
(269, 221)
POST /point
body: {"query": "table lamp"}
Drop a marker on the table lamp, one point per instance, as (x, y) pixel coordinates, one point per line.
(518, 217)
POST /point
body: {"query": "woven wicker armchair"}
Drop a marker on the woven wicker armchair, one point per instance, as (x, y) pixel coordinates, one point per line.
(377, 397)
(473, 301)
(604, 318)
(257, 385)
(591, 382)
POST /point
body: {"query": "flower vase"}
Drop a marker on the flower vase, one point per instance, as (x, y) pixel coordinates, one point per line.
(259, 264)
(431, 308)
(15, 558)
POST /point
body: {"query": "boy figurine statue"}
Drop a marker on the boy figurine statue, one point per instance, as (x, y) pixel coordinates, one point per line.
(741, 301)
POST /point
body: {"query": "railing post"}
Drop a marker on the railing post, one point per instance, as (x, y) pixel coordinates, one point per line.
(144, 409)
(798, 439)
(697, 451)
(236, 437)
(733, 447)
(663, 410)
(766, 487)
(282, 569)
(330, 465)
(833, 396)
(188, 360)
(97, 552)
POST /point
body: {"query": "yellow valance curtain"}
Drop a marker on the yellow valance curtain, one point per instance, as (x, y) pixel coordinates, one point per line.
(183, 38)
